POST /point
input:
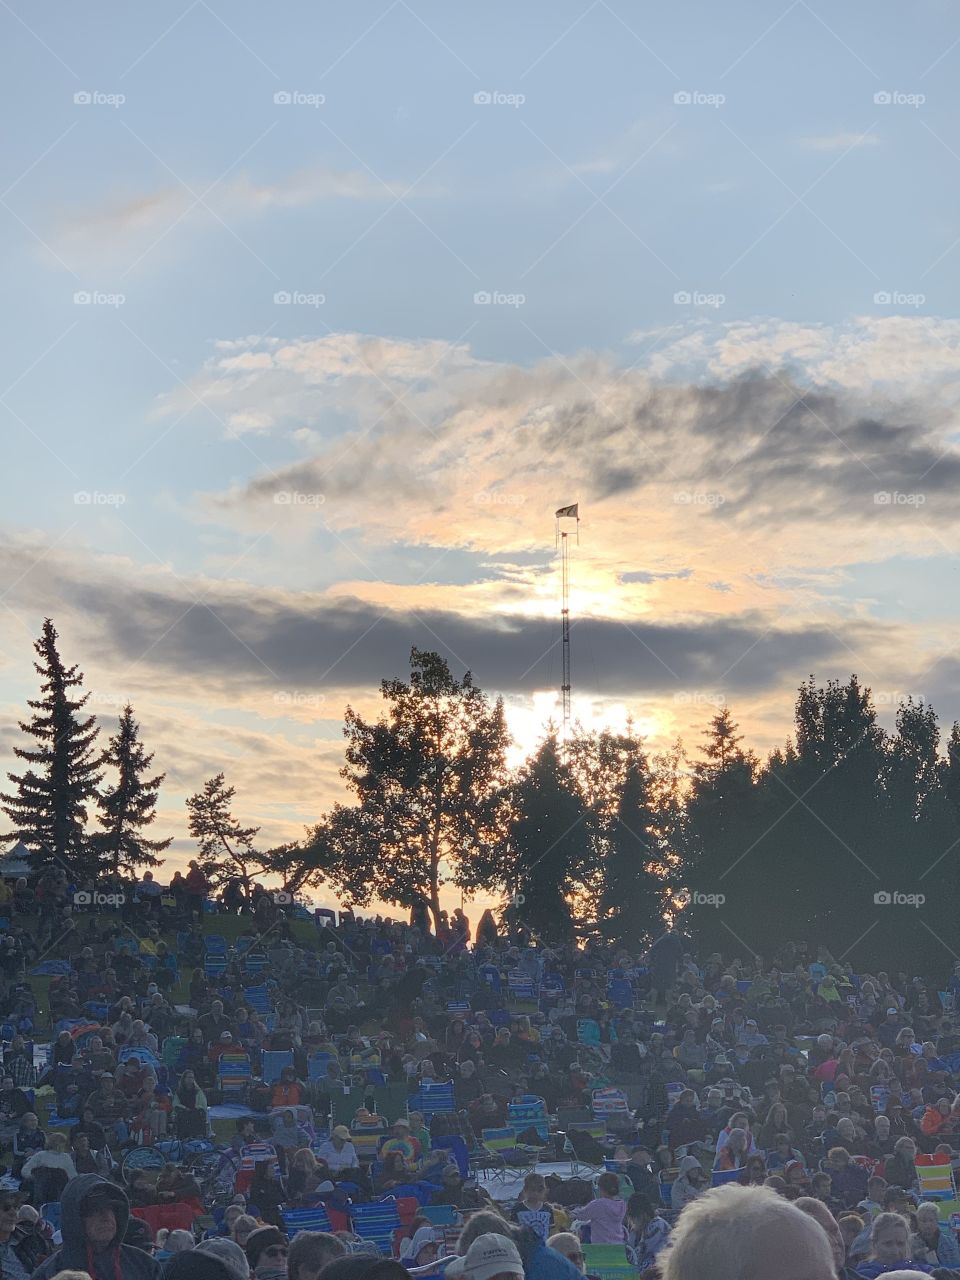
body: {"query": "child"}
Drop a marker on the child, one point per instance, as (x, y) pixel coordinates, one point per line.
(532, 1209)
(647, 1232)
(605, 1214)
(873, 1204)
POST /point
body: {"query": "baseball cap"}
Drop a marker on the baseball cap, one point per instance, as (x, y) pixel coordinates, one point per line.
(340, 1131)
(488, 1256)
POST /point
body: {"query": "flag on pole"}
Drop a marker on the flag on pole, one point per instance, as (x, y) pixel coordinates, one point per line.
(572, 511)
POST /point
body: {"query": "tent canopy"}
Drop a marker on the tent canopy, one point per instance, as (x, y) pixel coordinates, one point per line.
(15, 862)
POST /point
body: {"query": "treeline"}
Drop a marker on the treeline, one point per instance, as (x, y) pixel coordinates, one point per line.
(846, 838)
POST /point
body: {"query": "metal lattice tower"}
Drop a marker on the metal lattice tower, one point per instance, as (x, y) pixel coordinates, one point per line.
(565, 631)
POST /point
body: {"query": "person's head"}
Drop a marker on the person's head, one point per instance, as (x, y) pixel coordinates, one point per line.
(889, 1238)
(838, 1157)
(242, 1229)
(231, 1214)
(178, 1240)
(228, 1254)
(745, 1233)
(10, 1202)
(310, 1251)
(30, 1121)
(534, 1188)
(847, 1129)
(928, 1221)
(104, 1212)
(267, 1249)
(491, 1256)
(906, 1148)
(569, 1245)
(820, 1213)
(639, 1212)
(608, 1185)
(338, 1136)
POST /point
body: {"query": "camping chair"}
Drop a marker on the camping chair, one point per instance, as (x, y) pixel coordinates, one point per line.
(583, 1146)
(608, 1262)
(433, 1100)
(294, 1220)
(610, 1106)
(375, 1223)
(935, 1177)
(588, 1031)
(273, 1062)
(720, 1176)
(457, 1148)
(234, 1073)
(529, 1112)
(502, 1143)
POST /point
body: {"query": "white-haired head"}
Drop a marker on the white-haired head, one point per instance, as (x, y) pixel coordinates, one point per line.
(746, 1233)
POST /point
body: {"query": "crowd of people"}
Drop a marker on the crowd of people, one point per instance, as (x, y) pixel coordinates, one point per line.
(696, 1112)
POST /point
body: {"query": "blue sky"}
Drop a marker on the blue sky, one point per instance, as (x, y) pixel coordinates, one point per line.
(699, 308)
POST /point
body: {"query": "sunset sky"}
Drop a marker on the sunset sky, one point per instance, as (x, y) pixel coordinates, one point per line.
(317, 312)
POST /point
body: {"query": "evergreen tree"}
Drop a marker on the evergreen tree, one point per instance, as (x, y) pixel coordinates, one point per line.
(48, 808)
(129, 807)
(635, 871)
(226, 847)
(550, 845)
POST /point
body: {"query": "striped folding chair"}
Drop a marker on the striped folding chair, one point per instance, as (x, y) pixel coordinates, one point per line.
(295, 1220)
(375, 1223)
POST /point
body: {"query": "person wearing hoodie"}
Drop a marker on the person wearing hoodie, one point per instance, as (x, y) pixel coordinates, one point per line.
(94, 1214)
(689, 1182)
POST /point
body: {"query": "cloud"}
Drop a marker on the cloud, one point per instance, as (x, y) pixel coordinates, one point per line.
(840, 141)
(128, 226)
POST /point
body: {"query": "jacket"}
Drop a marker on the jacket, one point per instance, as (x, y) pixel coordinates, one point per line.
(541, 1262)
(116, 1262)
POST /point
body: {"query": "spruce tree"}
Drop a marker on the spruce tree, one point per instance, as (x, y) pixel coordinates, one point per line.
(129, 807)
(48, 807)
(226, 848)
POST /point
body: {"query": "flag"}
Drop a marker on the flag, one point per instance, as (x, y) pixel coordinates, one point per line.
(573, 511)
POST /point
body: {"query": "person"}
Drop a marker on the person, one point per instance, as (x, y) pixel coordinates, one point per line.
(540, 1262)
(94, 1214)
(745, 1233)
(533, 1210)
(932, 1241)
(189, 1108)
(605, 1214)
(310, 1251)
(689, 1182)
(820, 1213)
(266, 1251)
(227, 1252)
(889, 1248)
(568, 1244)
(21, 1250)
(242, 1229)
(50, 1170)
(489, 1257)
(193, 1264)
(647, 1232)
(338, 1152)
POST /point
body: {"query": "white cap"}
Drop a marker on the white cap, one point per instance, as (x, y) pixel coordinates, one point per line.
(489, 1255)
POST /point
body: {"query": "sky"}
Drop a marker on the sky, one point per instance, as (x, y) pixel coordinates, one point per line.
(317, 312)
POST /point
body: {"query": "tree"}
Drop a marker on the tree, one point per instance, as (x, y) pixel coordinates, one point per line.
(220, 835)
(48, 809)
(429, 777)
(129, 807)
(635, 871)
(551, 849)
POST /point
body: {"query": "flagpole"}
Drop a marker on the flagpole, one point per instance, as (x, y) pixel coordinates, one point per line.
(571, 512)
